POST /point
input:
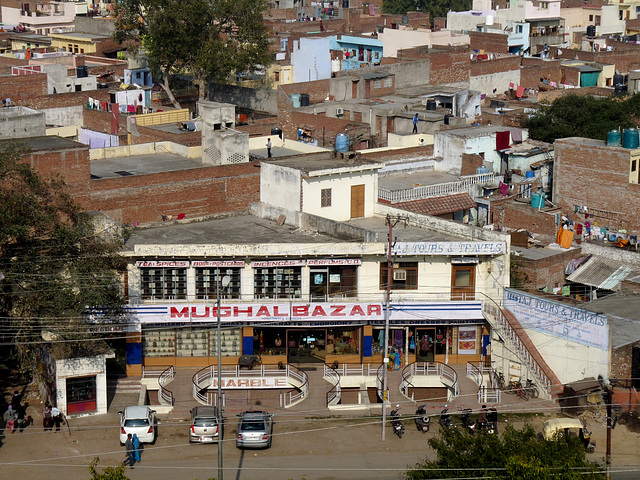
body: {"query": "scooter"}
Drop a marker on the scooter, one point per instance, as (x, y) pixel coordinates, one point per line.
(394, 418)
(423, 421)
(445, 418)
(466, 421)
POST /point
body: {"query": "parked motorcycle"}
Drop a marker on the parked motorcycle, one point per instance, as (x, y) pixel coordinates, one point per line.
(423, 421)
(445, 418)
(394, 418)
(468, 424)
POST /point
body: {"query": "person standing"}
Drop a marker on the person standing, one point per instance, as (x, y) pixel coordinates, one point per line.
(55, 417)
(10, 416)
(136, 447)
(16, 400)
(47, 420)
(415, 123)
(131, 455)
(269, 145)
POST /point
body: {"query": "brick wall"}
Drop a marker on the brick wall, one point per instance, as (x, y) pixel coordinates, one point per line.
(195, 192)
(6, 63)
(450, 66)
(149, 135)
(570, 75)
(547, 271)
(624, 56)
(533, 69)
(497, 65)
(22, 87)
(489, 42)
(317, 90)
(516, 215)
(551, 95)
(405, 153)
(587, 172)
(470, 163)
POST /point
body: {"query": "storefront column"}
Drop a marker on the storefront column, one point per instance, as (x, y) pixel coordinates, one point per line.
(367, 342)
(247, 341)
(134, 354)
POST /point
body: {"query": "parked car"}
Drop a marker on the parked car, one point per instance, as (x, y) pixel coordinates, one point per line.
(255, 429)
(140, 420)
(206, 425)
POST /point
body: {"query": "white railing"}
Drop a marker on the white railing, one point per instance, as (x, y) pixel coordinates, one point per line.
(345, 370)
(489, 395)
(508, 333)
(475, 373)
(431, 368)
(203, 379)
(163, 393)
(438, 190)
(154, 370)
(333, 395)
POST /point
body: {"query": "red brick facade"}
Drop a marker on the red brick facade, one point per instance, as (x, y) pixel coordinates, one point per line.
(20, 88)
(489, 42)
(497, 65)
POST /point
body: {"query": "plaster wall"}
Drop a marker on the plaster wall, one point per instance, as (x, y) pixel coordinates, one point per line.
(311, 59)
(82, 367)
(280, 186)
(340, 185)
(485, 84)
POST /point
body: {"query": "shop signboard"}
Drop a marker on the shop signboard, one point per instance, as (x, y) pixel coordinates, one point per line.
(563, 321)
(448, 248)
(230, 383)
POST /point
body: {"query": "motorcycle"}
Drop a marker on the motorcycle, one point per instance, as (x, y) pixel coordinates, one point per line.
(394, 418)
(445, 418)
(422, 419)
(466, 421)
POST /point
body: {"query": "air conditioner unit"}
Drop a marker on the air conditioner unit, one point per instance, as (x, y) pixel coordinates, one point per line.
(400, 275)
(339, 111)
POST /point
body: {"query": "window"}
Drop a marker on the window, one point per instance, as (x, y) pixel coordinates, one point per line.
(520, 29)
(343, 341)
(633, 165)
(276, 76)
(163, 283)
(209, 280)
(278, 282)
(325, 197)
(82, 50)
(81, 394)
(404, 276)
(597, 22)
(388, 82)
(620, 15)
(335, 281)
(377, 84)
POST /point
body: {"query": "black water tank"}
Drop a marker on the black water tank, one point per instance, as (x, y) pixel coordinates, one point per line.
(82, 71)
(618, 80)
(591, 30)
(446, 118)
(620, 89)
(277, 131)
(304, 99)
(431, 104)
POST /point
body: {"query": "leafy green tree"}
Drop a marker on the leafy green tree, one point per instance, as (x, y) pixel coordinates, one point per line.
(582, 116)
(109, 473)
(516, 455)
(207, 39)
(54, 267)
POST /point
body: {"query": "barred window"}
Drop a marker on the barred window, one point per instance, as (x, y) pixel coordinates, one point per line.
(325, 197)
(163, 283)
(388, 82)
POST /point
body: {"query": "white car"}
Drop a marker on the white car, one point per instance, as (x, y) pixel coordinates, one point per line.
(140, 420)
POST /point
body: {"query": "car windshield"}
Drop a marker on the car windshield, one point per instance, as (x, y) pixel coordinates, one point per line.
(136, 422)
(252, 425)
(204, 422)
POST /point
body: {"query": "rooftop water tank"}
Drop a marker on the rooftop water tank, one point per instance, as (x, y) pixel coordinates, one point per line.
(529, 174)
(618, 79)
(613, 138)
(82, 71)
(304, 99)
(342, 143)
(630, 138)
(295, 98)
(537, 199)
(591, 30)
(277, 131)
(482, 169)
(489, 20)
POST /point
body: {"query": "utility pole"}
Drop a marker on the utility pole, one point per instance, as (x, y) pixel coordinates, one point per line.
(225, 283)
(609, 395)
(391, 221)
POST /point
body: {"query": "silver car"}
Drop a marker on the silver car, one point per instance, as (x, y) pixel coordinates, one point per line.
(255, 430)
(205, 425)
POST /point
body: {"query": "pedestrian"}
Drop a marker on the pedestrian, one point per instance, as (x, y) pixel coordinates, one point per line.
(47, 420)
(56, 418)
(131, 456)
(10, 417)
(269, 148)
(136, 447)
(22, 418)
(415, 123)
(16, 400)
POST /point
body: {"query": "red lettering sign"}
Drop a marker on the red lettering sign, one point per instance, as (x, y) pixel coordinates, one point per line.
(300, 310)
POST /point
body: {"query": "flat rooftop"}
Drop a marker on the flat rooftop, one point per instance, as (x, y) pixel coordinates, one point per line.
(325, 161)
(401, 233)
(404, 180)
(538, 253)
(240, 229)
(142, 165)
(50, 142)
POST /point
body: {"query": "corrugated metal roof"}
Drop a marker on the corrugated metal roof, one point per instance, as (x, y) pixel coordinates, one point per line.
(439, 205)
(601, 273)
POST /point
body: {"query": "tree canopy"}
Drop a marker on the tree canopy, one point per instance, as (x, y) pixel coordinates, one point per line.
(435, 8)
(515, 455)
(206, 39)
(583, 116)
(54, 267)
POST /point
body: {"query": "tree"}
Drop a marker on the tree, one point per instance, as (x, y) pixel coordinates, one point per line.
(54, 268)
(516, 455)
(582, 116)
(208, 39)
(109, 473)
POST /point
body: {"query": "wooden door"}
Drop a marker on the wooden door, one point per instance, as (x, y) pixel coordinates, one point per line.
(354, 89)
(390, 128)
(367, 88)
(357, 201)
(463, 282)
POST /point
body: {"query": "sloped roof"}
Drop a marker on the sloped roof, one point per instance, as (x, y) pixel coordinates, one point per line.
(623, 312)
(601, 273)
(439, 205)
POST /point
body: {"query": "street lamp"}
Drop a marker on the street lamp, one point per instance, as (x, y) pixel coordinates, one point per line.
(226, 280)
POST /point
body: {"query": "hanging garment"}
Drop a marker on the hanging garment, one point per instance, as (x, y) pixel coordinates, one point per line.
(502, 140)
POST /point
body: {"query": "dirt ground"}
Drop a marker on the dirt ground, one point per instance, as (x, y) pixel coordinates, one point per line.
(348, 446)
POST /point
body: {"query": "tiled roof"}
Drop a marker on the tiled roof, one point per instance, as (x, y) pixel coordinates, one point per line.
(439, 205)
(601, 273)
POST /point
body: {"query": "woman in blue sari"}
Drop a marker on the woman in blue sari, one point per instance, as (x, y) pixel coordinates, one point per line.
(136, 447)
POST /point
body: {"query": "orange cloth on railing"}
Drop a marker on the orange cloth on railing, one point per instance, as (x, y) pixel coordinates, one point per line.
(565, 238)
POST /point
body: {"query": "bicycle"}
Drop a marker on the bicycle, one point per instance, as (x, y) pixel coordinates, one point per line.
(531, 389)
(500, 380)
(517, 388)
